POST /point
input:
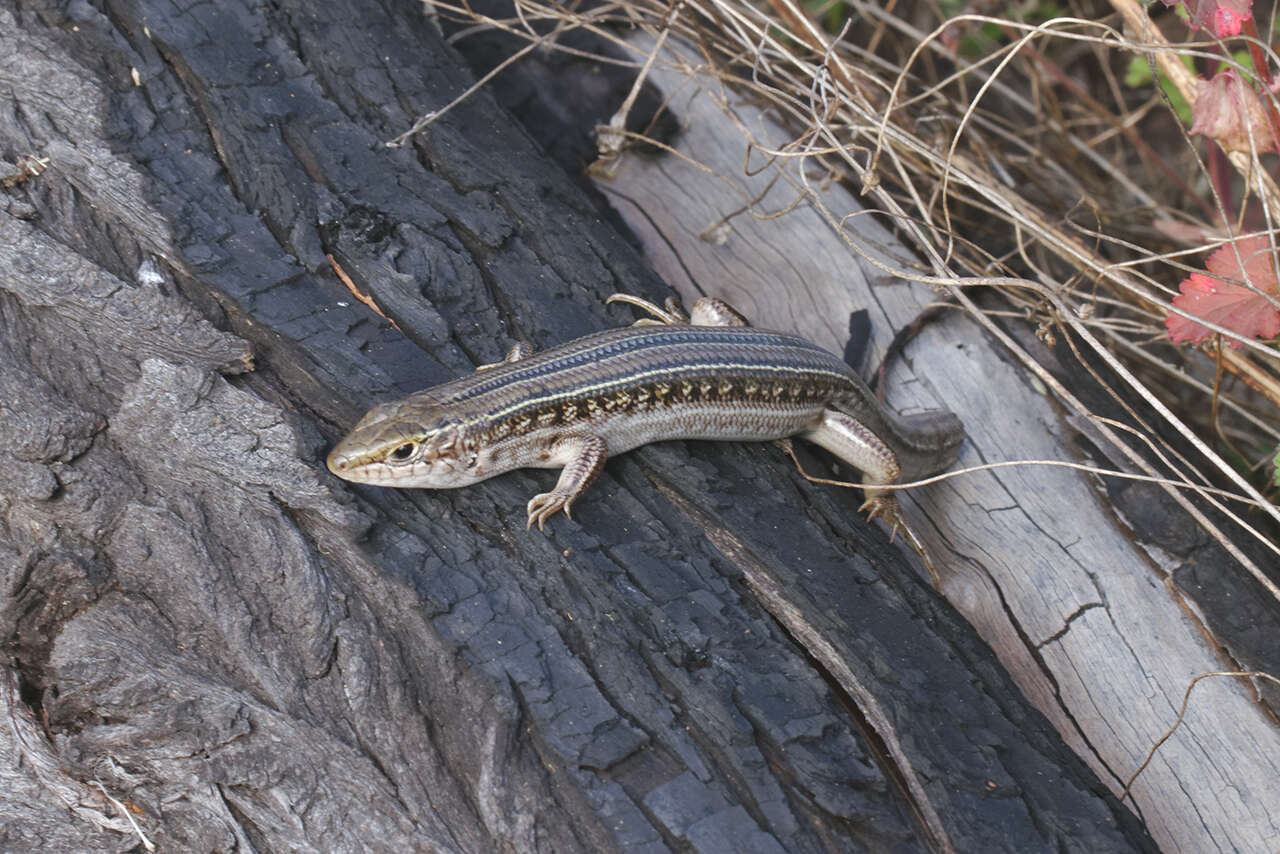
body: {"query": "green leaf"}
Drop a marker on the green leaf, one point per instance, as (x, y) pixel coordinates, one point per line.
(1138, 75)
(1243, 64)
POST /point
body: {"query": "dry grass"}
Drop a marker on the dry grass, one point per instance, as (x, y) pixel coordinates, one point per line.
(1032, 181)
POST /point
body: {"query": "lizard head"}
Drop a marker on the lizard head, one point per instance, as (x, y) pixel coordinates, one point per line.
(409, 443)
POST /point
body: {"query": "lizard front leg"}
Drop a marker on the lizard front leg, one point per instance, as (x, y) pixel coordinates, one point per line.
(523, 350)
(707, 311)
(583, 458)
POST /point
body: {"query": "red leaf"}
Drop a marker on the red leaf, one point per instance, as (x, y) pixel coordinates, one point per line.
(1221, 17)
(1228, 110)
(1233, 306)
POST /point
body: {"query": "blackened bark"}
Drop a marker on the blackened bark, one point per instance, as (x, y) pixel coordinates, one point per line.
(714, 656)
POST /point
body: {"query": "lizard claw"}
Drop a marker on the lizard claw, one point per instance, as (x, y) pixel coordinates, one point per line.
(885, 506)
(543, 507)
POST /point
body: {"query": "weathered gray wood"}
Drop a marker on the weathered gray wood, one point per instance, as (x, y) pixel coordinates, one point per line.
(1087, 621)
(257, 656)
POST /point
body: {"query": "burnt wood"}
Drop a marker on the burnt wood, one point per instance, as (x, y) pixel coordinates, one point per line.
(252, 655)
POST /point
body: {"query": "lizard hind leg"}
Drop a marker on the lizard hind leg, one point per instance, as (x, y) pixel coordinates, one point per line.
(856, 444)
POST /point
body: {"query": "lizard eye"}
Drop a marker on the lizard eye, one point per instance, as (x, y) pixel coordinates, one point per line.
(403, 452)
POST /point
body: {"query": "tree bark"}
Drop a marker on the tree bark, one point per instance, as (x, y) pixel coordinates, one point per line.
(249, 655)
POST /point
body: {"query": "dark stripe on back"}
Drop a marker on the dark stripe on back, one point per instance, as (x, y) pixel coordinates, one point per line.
(741, 344)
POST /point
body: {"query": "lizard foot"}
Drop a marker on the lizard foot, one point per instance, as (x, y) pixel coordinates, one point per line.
(672, 315)
(543, 507)
(885, 506)
(707, 311)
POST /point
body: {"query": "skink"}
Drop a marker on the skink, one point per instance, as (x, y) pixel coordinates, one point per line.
(704, 376)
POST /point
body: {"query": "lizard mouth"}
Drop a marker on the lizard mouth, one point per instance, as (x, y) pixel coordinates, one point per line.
(410, 464)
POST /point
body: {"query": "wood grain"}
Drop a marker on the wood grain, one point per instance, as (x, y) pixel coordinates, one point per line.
(1087, 621)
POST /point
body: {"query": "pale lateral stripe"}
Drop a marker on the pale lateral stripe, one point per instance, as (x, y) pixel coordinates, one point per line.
(622, 346)
(666, 370)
